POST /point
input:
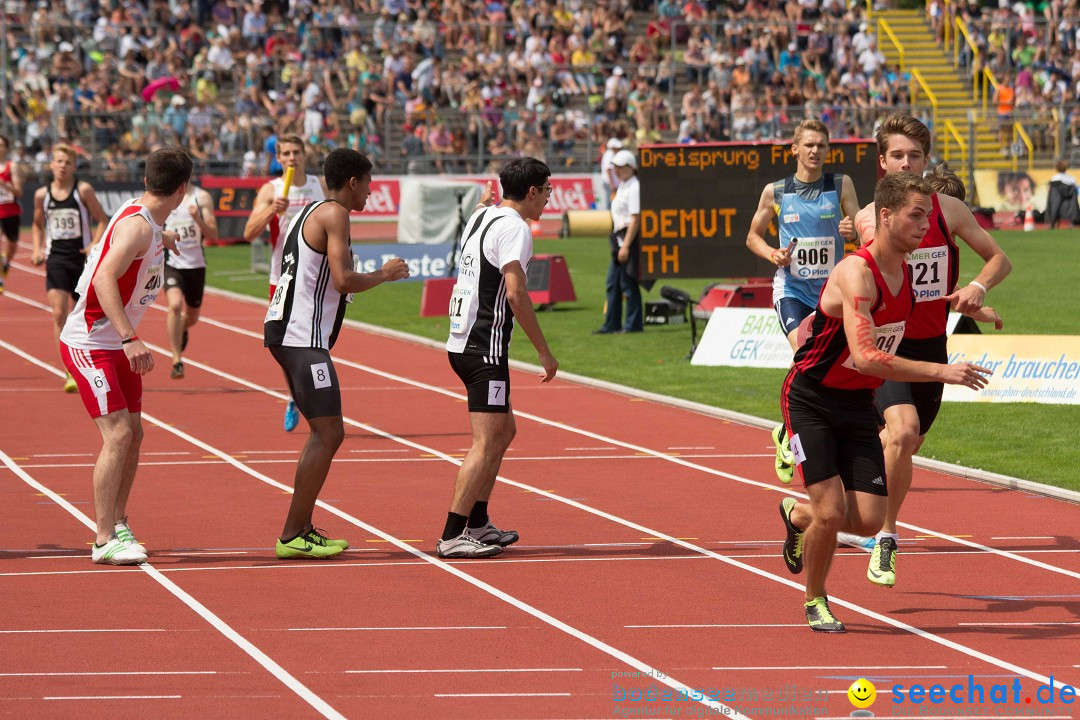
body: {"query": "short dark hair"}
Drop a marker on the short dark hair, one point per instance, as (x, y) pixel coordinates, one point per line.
(521, 174)
(166, 170)
(342, 164)
(946, 182)
(893, 190)
(909, 127)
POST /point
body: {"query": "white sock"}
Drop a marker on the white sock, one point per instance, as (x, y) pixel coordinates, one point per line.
(882, 535)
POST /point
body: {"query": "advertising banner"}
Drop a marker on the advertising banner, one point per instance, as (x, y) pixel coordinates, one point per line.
(1027, 368)
(425, 261)
(697, 202)
(743, 337)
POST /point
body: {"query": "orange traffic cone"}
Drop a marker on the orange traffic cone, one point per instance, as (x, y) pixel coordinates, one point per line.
(1029, 219)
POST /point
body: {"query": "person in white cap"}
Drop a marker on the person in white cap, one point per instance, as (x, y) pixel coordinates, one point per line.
(608, 179)
(622, 277)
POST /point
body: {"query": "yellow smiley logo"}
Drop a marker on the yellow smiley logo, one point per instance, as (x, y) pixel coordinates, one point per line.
(862, 693)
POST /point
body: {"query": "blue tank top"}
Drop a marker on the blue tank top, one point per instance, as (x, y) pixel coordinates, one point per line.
(810, 213)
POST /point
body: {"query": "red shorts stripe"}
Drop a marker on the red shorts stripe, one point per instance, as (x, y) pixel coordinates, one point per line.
(105, 379)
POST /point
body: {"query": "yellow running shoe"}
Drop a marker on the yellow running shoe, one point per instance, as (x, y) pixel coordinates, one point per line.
(785, 459)
(820, 617)
(69, 385)
(308, 545)
(882, 570)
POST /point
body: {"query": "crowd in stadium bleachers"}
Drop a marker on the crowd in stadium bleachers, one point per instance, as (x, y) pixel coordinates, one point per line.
(456, 85)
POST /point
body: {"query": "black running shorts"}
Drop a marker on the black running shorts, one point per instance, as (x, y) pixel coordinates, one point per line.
(487, 381)
(62, 272)
(9, 226)
(834, 432)
(925, 396)
(313, 381)
(191, 281)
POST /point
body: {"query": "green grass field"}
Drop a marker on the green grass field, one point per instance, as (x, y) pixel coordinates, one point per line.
(1034, 442)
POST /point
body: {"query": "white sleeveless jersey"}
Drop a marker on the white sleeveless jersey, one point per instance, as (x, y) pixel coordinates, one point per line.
(306, 310)
(181, 222)
(67, 223)
(299, 197)
(87, 328)
(481, 320)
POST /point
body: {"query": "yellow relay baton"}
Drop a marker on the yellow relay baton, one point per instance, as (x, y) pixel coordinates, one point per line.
(288, 184)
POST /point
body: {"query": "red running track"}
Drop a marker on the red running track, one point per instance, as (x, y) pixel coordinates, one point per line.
(649, 558)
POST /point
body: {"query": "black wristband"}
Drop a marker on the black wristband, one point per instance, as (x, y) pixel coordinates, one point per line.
(133, 338)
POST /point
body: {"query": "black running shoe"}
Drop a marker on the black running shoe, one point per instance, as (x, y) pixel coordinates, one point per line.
(793, 545)
(821, 618)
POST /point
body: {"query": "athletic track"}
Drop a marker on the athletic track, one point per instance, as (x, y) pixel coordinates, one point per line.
(649, 558)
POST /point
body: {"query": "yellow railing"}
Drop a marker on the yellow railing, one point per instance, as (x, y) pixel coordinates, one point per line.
(951, 134)
(961, 29)
(869, 9)
(945, 14)
(920, 82)
(987, 79)
(1019, 131)
(882, 25)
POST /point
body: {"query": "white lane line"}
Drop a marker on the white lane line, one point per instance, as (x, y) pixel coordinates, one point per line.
(372, 460)
(111, 697)
(783, 668)
(316, 702)
(721, 625)
(1016, 624)
(262, 657)
(326, 567)
(80, 630)
(111, 673)
(927, 635)
(1022, 537)
(599, 513)
(398, 629)
(464, 670)
(500, 695)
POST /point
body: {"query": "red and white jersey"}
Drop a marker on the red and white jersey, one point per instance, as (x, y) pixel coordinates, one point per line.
(300, 196)
(87, 328)
(9, 204)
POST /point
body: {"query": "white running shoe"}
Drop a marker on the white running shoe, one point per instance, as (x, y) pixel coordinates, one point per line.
(491, 535)
(464, 546)
(115, 552)
(124, 535)
(856, 541)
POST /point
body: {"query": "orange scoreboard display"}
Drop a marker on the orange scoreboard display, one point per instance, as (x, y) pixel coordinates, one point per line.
(697, 202)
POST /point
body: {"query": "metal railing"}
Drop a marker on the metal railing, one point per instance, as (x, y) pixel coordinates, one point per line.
(962, 30)
(918, 81)
(988, 81)
(883, 24)
(952, 134)
(1021, 133)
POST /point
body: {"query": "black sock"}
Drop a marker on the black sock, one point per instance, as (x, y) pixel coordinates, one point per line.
(455, 525)
(478, 518)
(783, 432)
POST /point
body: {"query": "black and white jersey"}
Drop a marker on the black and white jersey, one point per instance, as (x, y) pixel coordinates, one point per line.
(480, 317)
(306, 310)
(67, 223)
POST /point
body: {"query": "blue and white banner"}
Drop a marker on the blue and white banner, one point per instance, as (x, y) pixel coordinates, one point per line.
(425, 261)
